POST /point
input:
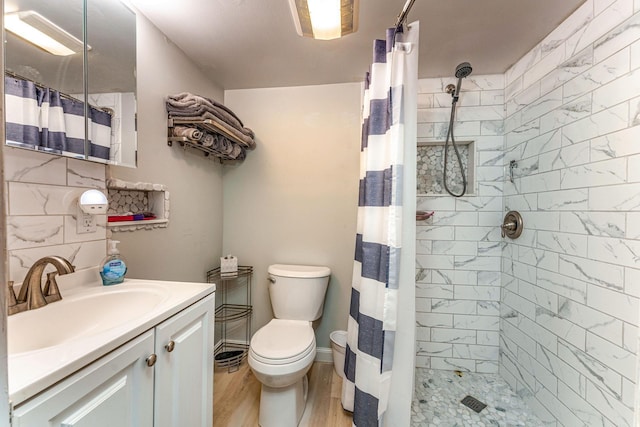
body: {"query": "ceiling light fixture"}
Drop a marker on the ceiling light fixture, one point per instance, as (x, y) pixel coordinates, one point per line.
(325, 19)
(39, 31)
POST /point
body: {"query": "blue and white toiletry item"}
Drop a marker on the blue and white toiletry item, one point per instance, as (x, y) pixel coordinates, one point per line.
(113, 267)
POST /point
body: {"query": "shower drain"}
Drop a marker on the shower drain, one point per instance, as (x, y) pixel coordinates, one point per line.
(473, 403)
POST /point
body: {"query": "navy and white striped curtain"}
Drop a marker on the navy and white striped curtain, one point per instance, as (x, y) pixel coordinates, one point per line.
(40, 117)
(376, 285)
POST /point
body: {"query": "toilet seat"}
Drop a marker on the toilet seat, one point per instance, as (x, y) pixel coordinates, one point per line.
(282, 342)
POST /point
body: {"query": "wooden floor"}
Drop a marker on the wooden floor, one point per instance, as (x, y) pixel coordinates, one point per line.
(236, 398)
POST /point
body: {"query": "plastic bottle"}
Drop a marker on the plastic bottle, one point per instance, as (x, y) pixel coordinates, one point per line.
(113, 267)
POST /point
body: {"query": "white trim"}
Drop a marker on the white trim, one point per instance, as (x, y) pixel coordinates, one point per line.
(323, 354)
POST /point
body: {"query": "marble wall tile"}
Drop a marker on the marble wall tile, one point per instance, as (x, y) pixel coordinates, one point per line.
(567, 70)
(610, 224)
(624, 307)
(34, 231)
(453, 364)
(34, 167)
(567, 156)
(448, 335)
(455, 277)
(607, 121)
(567, 113)
(81, 173)
(539, 296)
(617, 91)
(615, 145)
(590, 368)
(625, 197)
(602, 73)
(40, 199)
(620, 37)
(619, 359)
(600, 25)
(81, 255)
(561, 327)
(520, 339)
(616, 251)
(452, 306)
(619, 414)
(564, 200)
(591, 271)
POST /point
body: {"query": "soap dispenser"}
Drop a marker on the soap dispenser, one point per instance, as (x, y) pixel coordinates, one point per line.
(113, 267)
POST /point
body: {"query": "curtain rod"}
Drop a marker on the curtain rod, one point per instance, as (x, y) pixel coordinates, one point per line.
(403, 15)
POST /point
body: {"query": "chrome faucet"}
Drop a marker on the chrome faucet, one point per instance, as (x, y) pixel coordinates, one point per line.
(32, 295)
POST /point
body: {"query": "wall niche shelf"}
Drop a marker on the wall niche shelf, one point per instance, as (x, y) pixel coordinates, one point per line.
(137, 197)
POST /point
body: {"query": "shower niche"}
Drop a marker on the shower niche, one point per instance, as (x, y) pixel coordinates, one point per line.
(429, 168)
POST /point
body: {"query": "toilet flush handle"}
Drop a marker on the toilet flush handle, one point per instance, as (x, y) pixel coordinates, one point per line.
(271, 279)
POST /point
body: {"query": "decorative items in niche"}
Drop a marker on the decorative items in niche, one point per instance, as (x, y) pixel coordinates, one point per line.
(204, 124)
(137, 205)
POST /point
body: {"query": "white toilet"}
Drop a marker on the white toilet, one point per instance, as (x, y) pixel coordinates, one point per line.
(282, 351)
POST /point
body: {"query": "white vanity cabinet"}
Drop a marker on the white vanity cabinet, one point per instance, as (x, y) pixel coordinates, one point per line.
(115, 390)
(121, 389)
(184, 368)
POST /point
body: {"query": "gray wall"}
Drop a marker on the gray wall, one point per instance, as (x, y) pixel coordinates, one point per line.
(294, 199)
(193, 240)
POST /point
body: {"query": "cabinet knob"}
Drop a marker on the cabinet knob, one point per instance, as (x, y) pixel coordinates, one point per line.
(151, 360)
(170, 346)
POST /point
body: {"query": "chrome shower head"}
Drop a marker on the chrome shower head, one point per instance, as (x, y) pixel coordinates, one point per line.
(463, 70)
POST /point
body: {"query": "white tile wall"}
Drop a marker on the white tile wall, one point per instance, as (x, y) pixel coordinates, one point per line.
(570, 321)
(459, 248)
(42, 192)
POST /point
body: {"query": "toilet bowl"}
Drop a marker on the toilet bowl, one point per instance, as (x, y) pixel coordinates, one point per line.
(280, 355)
(282, 352)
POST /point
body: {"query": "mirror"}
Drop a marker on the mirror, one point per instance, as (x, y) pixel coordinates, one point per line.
(52, 104)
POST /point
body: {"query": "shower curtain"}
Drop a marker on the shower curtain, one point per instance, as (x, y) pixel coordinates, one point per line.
(39, 116)
(378, 279)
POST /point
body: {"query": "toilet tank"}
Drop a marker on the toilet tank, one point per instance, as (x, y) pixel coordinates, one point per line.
(297, 291)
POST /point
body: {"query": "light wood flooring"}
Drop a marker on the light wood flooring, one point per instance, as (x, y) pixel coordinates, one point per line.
(236, 398)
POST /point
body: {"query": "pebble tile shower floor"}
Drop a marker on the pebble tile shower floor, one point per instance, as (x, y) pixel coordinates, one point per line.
(438, 394)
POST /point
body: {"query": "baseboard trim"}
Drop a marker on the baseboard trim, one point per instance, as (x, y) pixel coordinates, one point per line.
(323, 354)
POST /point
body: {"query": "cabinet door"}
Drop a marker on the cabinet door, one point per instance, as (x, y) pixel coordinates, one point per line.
(116, 390)
(184, 375)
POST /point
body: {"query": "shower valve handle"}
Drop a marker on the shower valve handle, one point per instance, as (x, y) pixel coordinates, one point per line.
(508, 226)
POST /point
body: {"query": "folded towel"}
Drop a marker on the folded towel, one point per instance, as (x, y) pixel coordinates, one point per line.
(188, 100)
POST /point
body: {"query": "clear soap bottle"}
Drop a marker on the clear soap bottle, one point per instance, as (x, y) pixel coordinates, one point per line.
(113, 267)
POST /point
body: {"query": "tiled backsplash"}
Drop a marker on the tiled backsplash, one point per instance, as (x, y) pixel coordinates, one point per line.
(459, 248)
(42, 196)
(571, 282)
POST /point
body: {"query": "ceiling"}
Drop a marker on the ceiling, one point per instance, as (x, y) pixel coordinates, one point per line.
(253, 43)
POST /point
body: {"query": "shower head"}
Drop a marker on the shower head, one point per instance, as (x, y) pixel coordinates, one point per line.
(463, 70)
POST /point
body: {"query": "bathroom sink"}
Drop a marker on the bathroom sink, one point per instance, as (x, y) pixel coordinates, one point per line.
(77, 316)
(50, 343)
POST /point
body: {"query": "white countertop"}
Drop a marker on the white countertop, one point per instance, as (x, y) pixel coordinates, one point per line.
(33, 370)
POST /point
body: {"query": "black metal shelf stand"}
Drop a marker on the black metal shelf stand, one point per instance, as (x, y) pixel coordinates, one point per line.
(230, 354)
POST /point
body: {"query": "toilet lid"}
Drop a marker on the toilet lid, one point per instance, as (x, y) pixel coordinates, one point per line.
(281, 340)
